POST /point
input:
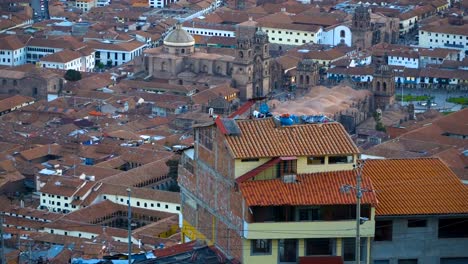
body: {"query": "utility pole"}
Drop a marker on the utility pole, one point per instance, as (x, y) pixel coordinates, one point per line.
(359, 220)
(129, 220)
(2, 250)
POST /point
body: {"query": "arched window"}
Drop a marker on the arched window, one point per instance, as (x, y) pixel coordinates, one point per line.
(378, 86)
(241, 54)
(182, 51)
(342, 34)
(384, 86)
(301, 79)
(307, 79)
(218, 69)
(163, 66)
(205, 68)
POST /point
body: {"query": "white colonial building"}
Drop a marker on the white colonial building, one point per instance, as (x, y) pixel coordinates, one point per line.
(81, 60)
(12, 51)
(445, 35)
(114, 54)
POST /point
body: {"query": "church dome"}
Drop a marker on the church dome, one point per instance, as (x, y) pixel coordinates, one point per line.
(179, 38)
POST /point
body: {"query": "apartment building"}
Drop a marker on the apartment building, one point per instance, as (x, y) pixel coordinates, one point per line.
(282, 29)
(82, 60)
(408, 22)
(12, 51)
(267, 192)
(448, 33)
(422, 212)
(85, 5)
(114, 54)
(65, 195)
(40, 47)
(160, 3)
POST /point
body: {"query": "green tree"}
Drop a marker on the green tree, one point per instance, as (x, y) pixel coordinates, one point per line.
(72, 75)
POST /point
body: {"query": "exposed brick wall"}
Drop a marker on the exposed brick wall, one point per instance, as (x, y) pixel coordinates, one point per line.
(213, 184)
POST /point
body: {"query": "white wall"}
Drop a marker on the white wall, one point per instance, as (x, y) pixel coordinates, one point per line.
(292, 37)
(403, 61)
(334, 36)
(405, 26)
(209, 32)
(118, 57)
(56, 202)
(439, 40)
(141, 203)
(13, 57)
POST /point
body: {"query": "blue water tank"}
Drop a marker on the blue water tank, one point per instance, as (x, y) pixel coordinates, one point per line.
(264, 109)
(286, 120)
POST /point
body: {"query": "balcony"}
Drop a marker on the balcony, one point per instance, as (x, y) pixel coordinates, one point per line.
(306, 229)
(284, 222)
(458, 46)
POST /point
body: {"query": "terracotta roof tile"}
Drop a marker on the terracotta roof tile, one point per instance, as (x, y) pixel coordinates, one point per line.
(309, 189)
(14, 101)
(261, 138)
(63, 56)
(416, 187)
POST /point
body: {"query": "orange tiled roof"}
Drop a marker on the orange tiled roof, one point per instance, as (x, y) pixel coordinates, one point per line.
(416, 187)
(261, 138)
(310, 189)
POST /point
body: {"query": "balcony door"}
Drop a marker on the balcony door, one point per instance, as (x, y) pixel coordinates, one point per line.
(288, 250)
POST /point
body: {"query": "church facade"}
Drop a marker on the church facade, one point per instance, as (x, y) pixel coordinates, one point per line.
(178, 62)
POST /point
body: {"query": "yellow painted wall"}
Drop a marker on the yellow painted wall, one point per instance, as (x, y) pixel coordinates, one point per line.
(242, 168)
(315, 229)
(303, 167)
(274, 257)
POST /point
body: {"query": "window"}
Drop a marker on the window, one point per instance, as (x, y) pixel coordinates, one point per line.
(145, 205)
(261, 247)
(167, 206)
(15, 82)
(383, 230)
(105, 197)
(159, 205)
(417, 223)
(453, 228)
(178, 208)
(340, 159)
(206, 137)
(152, 205)
(407, 261)
(315, 160)
(4, 82)
(349, 249)
(250, 160)
(318, 246)
(382, 261)
(287, 250)
(308, 214)
(138, 203)
(342, 34)
(121, 200)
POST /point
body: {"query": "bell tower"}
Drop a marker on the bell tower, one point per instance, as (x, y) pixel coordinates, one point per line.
(383, 87)
(361, 28)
